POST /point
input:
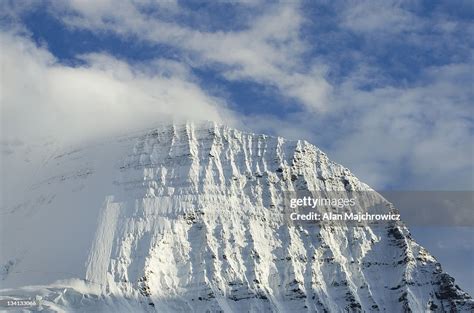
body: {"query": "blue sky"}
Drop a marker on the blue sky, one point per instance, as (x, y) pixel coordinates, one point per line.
(384, 87)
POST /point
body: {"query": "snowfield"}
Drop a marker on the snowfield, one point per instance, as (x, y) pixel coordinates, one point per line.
(189, 218)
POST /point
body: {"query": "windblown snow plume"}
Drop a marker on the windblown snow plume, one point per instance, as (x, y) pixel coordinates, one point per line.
(190, 218)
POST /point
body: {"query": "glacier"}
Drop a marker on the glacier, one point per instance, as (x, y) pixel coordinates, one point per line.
(188, 217)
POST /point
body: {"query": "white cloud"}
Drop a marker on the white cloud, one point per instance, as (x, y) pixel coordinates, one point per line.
(420, 137)
(378, 17)
(269, 51)
(43, 97)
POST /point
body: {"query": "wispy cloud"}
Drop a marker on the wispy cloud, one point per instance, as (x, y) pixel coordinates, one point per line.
(378, 17)
(100, 97)
(419, 137)
(267, 51)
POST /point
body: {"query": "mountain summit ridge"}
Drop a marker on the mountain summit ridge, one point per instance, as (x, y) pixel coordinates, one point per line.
(189, 217)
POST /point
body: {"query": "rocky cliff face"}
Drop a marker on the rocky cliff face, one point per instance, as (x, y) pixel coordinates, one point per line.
(190, 218)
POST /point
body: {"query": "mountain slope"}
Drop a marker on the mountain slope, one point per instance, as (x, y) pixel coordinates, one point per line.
(191, 217)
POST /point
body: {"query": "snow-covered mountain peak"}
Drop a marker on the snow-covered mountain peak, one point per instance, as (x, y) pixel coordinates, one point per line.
(191, 217)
